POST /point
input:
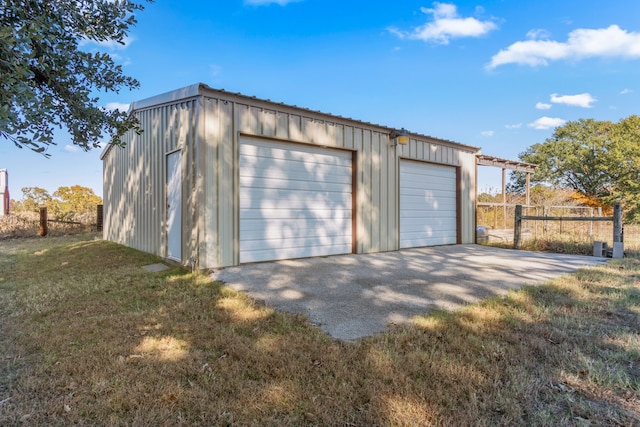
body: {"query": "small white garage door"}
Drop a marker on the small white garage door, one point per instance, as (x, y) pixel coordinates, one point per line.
(427, 204)
(295, 201)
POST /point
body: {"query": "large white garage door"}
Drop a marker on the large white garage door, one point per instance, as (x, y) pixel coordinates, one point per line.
(427, 204)
(295, 201)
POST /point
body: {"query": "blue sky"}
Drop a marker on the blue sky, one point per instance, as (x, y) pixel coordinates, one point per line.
(496, 74)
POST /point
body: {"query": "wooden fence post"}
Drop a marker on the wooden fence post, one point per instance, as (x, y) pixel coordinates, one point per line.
(99, 217)
(617, 223)
(44, 229)
(517, 227)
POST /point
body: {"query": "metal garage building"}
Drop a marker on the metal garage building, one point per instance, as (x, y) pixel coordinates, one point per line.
(220, 179)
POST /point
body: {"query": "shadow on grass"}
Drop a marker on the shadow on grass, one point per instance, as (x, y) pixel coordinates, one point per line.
(89, 337)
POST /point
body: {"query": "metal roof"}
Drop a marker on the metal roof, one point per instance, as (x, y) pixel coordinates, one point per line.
(199, 89)
(485, 160)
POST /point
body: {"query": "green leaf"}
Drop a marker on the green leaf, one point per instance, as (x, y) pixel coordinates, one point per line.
(47, 79)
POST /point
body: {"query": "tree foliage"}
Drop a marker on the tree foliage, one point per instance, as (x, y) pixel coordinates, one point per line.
(63, 204)
(47, 81)
(598, 159)
(76, 199)
(34, 197)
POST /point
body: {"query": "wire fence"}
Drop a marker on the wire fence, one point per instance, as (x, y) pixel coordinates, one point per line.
(29, 224)
(497, 221)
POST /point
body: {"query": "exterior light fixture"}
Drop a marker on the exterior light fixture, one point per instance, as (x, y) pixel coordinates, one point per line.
(400, 137)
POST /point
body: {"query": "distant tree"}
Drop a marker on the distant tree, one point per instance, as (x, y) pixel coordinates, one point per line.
(47, 81)
(623, 166)
(76, 200)
(572, 158)
(597, 159)
(64, 204)
(34, 197)
(489, 198)
(15, 206)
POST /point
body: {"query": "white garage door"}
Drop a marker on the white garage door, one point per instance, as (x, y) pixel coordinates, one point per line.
(295, 201)
(427, 204)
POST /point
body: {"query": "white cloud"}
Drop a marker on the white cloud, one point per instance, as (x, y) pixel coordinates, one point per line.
(123, 60)
(543, 106)
(117, 106)
(514, 126)
(487, 133)
(537, 34)
(446, 24)
(583, 100)
(109, 44)
(544, 123)
(582, 43)
(71, 148)
(269, 2)
(625, 91)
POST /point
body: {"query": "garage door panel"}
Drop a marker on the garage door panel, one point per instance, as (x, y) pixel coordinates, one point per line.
(338, 177)
(294, 195)
(289, 253)
(285, 150)
(415, 180)
(435, 203)
(428, 204)
(299, 242)
(290, 184)
(431, 220)
(430, 240)
(444, 211)
(299, 162)
(283, 200)
(286, 214)
(295, 201)
(421, 193)
(299, 171)
(418, 169)
(301, 227)
(428, 232)
(296, 158)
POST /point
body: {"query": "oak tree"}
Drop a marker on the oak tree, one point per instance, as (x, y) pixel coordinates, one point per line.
(76, 199)
(598, 159)
(48, 81)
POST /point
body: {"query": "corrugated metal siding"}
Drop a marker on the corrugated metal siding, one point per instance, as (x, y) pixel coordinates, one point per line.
(4, 192)
(208, 128)
(468, 196)
(135, 177)
(377, 171)
(377, 222)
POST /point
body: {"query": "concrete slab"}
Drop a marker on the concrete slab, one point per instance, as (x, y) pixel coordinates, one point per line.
(351, 296)
(155, 268)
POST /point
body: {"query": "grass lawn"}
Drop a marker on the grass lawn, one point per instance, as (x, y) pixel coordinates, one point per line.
(88, 337)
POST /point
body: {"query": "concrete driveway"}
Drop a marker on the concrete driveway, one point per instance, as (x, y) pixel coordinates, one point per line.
(351, 296)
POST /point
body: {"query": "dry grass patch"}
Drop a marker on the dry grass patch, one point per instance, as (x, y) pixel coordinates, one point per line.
(89, 337)
(20, 225)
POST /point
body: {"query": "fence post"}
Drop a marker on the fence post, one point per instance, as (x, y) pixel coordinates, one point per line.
(99, 217)
(617, 223)
(517, 227)
(495, 217)
(44, 229)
